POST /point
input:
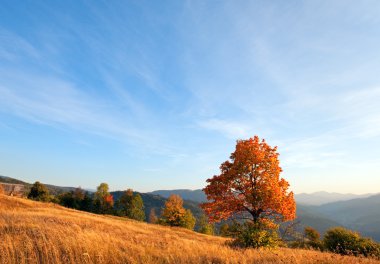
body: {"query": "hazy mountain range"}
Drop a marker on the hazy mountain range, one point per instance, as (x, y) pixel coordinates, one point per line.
(321, 210)
(316, 198)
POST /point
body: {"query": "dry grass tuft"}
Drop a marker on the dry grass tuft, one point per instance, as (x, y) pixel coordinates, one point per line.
(34, 232)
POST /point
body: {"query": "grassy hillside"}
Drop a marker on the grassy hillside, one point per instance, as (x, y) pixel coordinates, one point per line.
(33, 232)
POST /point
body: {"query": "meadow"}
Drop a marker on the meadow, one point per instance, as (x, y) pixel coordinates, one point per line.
(35, 232)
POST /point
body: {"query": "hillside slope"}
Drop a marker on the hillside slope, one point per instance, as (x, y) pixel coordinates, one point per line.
(33, 232)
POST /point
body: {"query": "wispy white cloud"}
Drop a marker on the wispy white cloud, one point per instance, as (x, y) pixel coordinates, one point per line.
(230, 129)
(55, 102)
(13, 47)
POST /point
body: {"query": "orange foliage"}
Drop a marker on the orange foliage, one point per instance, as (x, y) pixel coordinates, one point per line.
(250, 183)
(173, 211)
(109, 199)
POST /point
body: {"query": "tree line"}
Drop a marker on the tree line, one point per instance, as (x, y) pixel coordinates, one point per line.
(129, 204)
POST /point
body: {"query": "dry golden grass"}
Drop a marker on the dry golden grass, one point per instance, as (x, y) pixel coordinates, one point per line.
(33, 232)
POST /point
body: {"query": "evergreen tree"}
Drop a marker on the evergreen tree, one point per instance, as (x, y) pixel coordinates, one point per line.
(39, 192)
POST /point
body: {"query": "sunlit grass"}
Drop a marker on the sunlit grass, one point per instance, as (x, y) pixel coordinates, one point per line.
(34, 232)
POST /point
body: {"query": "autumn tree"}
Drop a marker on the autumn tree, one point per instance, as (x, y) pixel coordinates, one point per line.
(39, 192)
(103, 199)
(173, 211)
(250, 186)
(174, 214)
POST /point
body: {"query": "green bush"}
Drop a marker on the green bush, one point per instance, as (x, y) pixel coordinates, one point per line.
(347, 242)
(255, 235)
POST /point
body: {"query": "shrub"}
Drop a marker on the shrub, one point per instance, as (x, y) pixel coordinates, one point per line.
(347, 242)
(369, 248)
(312, 237)
(255, 235)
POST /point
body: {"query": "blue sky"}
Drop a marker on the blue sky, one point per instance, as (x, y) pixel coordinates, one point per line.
(154, 94)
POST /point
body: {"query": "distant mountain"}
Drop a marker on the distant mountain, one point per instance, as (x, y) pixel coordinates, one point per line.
(361, 214)
(319, 198)
(53, 189)
(194, 195)
(5, 179)
(308, 216)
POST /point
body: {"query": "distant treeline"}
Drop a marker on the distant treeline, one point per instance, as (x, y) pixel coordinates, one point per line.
(128, 204)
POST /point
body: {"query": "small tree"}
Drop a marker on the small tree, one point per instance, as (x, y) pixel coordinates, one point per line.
(78, 194)
(173, 211)
(137, 208)
(103, 200)
(39, 192)
(153, 219)
(205, 227)
(125, 203)
(174, 214)
(188, 220)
